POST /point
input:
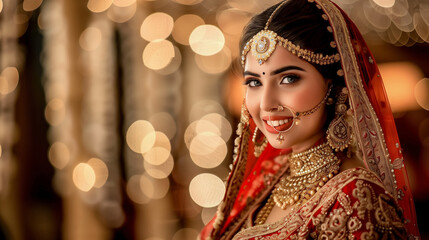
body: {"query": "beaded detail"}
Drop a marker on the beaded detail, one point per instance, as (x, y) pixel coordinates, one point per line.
(309, 171)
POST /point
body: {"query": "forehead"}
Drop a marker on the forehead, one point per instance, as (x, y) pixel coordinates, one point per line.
(279, 58)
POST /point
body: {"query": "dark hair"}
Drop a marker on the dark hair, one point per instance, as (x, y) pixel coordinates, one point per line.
(301, 22)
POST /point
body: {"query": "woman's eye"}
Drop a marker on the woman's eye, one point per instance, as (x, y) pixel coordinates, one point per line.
(289, 79)
(253, 83)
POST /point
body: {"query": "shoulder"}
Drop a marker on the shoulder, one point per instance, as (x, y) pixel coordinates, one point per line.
(357, 206)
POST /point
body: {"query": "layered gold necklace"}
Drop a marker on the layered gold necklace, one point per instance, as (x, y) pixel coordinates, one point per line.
(308, 172)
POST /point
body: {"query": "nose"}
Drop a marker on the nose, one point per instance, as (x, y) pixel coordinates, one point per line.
(269, 98)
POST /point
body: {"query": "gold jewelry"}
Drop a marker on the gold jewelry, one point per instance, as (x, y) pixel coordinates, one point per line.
(264, 42)
(280, 108)
(265, 211)
(258, 147)
(297, 115)
(308, 172)
(339, 133)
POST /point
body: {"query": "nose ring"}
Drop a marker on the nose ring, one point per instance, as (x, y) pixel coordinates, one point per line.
(280, 137)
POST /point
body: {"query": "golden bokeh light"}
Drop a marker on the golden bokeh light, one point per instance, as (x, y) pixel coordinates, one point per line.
(134, 191)
(188, 2)
(31, 5)
(206, 40)
(9, 79)
(384, 3)
(41, 20)
(121, 14)
(123, 3)
(216, 63)
(399, 80)
(186, 233)
(421, 91)
(160, 151)
(232, 21)
(154, 188)
(208, 150)
(59, 155)
(381, 22)
(84, 177)
(1, 5)
(222, 124)
(0, 150)
(190, 133)
(159, 171)
(101, 171)
(55, 111)
(158, 54)
(174, 64)
(138, 131)
(157, 26)
(204, 107)
(164, 122)
(207, 214)
(98, 6)
(421, 27)
(184, 26)
(205, 125)
(207, 190)
(90, 38)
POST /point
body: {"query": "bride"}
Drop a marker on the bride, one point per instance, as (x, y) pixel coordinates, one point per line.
(317, 154)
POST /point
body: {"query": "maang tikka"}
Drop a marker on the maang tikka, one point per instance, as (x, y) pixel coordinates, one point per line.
(263, 44)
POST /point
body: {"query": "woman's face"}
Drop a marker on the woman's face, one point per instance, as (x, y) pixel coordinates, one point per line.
(286, 80)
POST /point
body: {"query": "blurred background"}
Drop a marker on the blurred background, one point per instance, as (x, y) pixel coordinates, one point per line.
(117, 117)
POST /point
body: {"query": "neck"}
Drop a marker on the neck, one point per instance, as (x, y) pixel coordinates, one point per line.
(311, 142)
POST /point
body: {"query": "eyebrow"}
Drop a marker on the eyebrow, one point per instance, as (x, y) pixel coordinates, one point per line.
(275, 72)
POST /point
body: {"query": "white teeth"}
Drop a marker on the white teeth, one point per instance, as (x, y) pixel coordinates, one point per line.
(276, 123)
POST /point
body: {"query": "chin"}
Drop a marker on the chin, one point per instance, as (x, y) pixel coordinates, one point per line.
(275, 144)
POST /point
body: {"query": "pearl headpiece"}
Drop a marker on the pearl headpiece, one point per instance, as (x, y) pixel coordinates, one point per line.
(262, 45)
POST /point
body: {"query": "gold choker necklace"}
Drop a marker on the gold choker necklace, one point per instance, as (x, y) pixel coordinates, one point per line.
(307, 173)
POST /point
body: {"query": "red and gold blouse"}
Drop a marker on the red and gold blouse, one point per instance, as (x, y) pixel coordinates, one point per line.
(352, 205)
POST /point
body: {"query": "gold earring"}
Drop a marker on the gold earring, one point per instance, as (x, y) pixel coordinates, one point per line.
(339, 133)
(258, 147)
(245, 115)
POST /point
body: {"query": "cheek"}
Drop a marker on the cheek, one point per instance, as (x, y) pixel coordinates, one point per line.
(252, 103)
(307, 98)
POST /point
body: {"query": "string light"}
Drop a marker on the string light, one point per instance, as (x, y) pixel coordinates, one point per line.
(157, 26)
(421, 91)
(207, 196)
(31, 5)
(98, 6)
(206, 40)
(9, 79)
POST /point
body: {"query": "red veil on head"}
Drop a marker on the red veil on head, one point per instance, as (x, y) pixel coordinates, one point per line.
(374, 131)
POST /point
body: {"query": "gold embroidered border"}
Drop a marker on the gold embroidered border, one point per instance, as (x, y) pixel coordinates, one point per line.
(360, 103)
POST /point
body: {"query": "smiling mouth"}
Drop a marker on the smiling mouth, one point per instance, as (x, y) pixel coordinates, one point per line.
(278, 124)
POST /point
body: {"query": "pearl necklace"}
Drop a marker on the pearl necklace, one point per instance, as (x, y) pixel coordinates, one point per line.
(308, 172)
